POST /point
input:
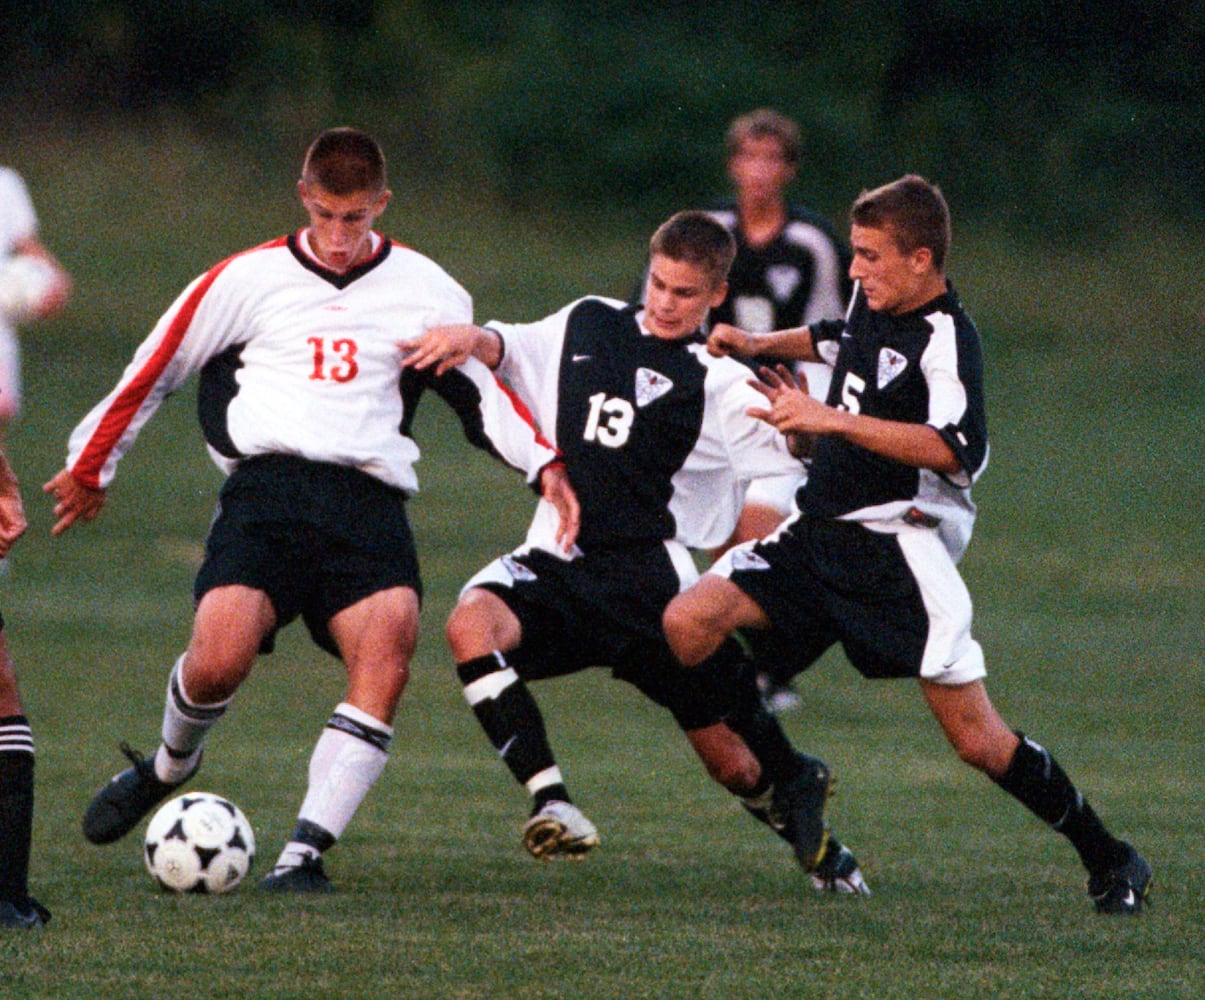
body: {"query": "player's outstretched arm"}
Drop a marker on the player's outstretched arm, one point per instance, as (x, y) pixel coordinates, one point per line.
(12, 512)
(793, 411)
(794, 344)
(75, 501)
(445, 347)
(557, 490)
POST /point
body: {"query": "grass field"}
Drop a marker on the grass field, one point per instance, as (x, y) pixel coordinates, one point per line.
(1087, 571)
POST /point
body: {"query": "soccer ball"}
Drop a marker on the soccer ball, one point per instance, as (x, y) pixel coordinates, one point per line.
(199, 842)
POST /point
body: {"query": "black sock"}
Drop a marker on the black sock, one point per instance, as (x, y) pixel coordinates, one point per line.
(746, 713)
(16, 807)
(769, 658)
(512, 721)
(1035, 779)
(313, 835)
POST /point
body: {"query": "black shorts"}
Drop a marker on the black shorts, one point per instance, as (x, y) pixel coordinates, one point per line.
(603, 609)
(315, 537)
(894, 601)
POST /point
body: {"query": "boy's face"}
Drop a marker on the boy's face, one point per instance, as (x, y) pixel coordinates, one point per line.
(759, 169)
(340, 225)
(893, 282)
(677, 297)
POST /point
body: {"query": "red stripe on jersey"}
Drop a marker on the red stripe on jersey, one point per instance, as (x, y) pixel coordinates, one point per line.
(525, 414)
(122, 410)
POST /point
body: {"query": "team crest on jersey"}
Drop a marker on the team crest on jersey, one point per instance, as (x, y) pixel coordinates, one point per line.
(517, 570)
(748, 559)
(783, 279)
(891, 364)
(650, 386)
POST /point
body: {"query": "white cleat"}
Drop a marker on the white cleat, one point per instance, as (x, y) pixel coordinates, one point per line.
(838, 872)
(559, 830)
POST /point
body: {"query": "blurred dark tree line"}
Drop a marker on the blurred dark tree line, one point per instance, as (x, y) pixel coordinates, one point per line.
(1046, 115)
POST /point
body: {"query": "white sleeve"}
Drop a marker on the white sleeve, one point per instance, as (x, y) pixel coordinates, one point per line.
(755, 449)
(18, 221)
(193, 330)
(495, 419)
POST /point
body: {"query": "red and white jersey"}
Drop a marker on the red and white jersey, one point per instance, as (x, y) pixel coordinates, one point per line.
(297, 360)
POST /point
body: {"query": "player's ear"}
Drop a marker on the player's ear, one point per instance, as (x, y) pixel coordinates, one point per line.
(920, 260)
(382, 201)
(719, 294)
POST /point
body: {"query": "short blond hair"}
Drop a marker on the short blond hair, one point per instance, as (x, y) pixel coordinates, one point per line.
(765, 123)
(698, 239)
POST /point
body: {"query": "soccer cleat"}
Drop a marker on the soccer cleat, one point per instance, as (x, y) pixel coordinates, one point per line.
(797, 809)
(838, 871)
(1123, 889)
(33, 916)
(119, 806)
(559, 830)
(308, 876)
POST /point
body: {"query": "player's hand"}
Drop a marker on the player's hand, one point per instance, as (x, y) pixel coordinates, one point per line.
(12, 518)
(445, 347)
(557, 490)
(792, 410)
(727, 339)
(76, 502)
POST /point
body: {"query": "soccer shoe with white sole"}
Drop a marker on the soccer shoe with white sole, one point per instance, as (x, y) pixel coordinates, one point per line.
(838, 871)
(797, 809)
(559, 830)
(308, 876)
(119, 806)
(30, 917)
(1121, 890)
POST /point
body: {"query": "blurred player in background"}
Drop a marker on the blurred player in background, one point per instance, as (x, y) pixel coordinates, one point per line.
(658, 446)
(300, 401)
(791, 269)
(17, 907)
(870, 560)
(33, 285)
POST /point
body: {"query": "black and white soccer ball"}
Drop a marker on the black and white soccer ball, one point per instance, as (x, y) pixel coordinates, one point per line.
(199, 842)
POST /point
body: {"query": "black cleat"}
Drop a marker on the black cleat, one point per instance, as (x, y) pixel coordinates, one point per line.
(797, 809)
(838, 871)
(305, 877)
(119, 806)
(1123, 889)
(30, 917)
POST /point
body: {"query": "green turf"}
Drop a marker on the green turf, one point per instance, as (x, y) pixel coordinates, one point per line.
(1087, 572)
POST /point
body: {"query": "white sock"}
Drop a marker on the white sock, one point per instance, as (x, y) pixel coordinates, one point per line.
(185, 725)
(347, 760)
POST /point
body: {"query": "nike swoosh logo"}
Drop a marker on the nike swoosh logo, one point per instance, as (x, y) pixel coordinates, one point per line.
(582, 357)
(509, 743)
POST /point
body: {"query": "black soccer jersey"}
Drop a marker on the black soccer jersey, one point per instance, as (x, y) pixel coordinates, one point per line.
(923, 367)
(799, 277)
(654, 432)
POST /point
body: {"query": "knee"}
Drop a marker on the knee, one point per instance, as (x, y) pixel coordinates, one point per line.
(687, 630)
(479, 624)
(738, 776)
(985, 751)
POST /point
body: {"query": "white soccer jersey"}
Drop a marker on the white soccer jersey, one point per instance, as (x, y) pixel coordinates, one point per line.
(655, 434)
(297, 360)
